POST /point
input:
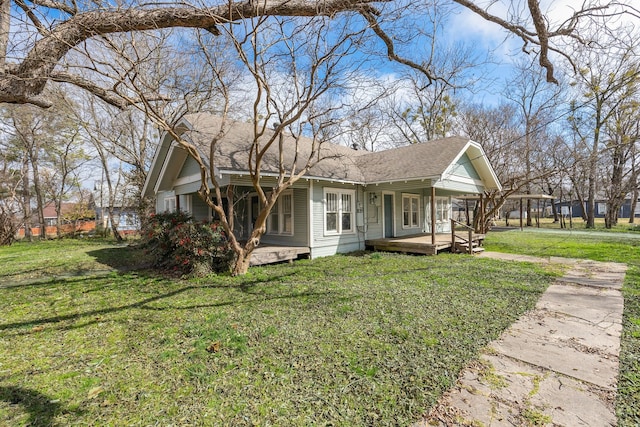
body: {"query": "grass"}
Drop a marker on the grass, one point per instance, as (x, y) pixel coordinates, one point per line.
(623, 225)
(598, 247)
(368, 339)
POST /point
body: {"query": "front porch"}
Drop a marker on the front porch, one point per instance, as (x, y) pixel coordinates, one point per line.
(426, 244)
(414, 244)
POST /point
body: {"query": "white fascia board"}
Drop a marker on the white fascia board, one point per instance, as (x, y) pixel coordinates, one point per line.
(480, 162)
(276, 175)
(432, 178)
(163, 170)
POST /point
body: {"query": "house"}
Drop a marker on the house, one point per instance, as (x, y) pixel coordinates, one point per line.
(346, 201)
(577, 209)
(125, 216)
(76, 217)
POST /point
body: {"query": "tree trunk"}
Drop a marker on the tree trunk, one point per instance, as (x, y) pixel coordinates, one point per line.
(242, 263)
(593, 168)
(112, 223)
(26, 200)
(634, 204)
(59, 218)
(39, 197)
(5, 27)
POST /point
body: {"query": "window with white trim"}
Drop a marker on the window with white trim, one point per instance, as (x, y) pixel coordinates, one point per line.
(410, 211)
(602, 208)
(280, 219)
(185, 206)
(170, 204)
(339, 208)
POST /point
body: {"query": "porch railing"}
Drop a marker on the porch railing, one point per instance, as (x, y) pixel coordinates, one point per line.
(458, 240)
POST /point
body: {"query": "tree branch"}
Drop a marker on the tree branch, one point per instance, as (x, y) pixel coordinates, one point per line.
(25, 82)
(369, 14)
(543, 37)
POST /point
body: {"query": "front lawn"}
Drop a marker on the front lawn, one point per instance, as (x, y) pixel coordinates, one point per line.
(370, 339)
(598, 247)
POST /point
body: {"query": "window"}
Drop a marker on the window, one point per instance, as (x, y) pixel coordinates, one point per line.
(185, 206)
(170, 204)
(442, 209)
(410, 211)
(602, 208)
(281, 216)
(338, 211)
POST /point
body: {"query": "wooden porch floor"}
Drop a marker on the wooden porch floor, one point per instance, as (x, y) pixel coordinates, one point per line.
(268, 254)
(415, 244)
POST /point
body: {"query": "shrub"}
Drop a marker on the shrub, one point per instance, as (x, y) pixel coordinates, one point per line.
(178, 243)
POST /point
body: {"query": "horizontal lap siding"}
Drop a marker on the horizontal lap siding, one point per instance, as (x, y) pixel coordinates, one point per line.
(330, 245)
(199, 209)
(189, 168)
(160, 200)
(300, 223)
(453, 187)
(373, 215)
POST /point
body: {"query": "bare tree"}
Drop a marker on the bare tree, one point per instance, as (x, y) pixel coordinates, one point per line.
(499, 131)
(536, 105)
(296, 70)
(424, 109)
(606, 84)
(10, 182)
(620, 155)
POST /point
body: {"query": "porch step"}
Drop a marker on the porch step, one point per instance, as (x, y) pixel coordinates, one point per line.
(463, 248)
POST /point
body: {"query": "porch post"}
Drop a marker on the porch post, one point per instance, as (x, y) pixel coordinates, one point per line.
(433, 215)
(520, 213)
(482, 222)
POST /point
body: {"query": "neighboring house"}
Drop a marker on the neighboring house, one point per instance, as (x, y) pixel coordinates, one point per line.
(577, 208)
(347, 198)
(125, 217)
(74, 219)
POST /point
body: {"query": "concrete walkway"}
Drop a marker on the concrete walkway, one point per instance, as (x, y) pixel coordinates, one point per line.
(557, 365)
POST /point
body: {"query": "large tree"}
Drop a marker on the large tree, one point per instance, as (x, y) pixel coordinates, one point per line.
(297, 71)
(37, 37)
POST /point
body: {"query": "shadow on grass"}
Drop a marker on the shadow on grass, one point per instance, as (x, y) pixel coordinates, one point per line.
(122, 258)
(246, 288)
(42, 410)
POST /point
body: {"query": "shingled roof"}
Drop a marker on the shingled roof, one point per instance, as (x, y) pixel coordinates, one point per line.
(232, 153)
(416, 161)
(428, 160)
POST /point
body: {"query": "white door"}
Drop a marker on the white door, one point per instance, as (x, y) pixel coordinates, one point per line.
(443, 215)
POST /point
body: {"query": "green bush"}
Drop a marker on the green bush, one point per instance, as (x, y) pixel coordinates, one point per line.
(177, 242)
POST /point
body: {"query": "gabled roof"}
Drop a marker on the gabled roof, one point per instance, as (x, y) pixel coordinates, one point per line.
(416, 161)
(429, 160)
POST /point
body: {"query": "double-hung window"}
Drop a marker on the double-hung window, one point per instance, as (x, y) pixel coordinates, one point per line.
(410, 211)
(170, 204)
(281, 217)
(339, 208)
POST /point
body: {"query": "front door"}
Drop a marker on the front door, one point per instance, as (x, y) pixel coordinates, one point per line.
(388, 215)
(443, 213)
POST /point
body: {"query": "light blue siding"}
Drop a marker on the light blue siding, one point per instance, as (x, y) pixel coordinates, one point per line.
(189, 168)
(300, 235)
(325, 245)
(464, 168)
(199, 209)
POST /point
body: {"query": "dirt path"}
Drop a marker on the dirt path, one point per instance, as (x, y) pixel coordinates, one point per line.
(557, 365)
